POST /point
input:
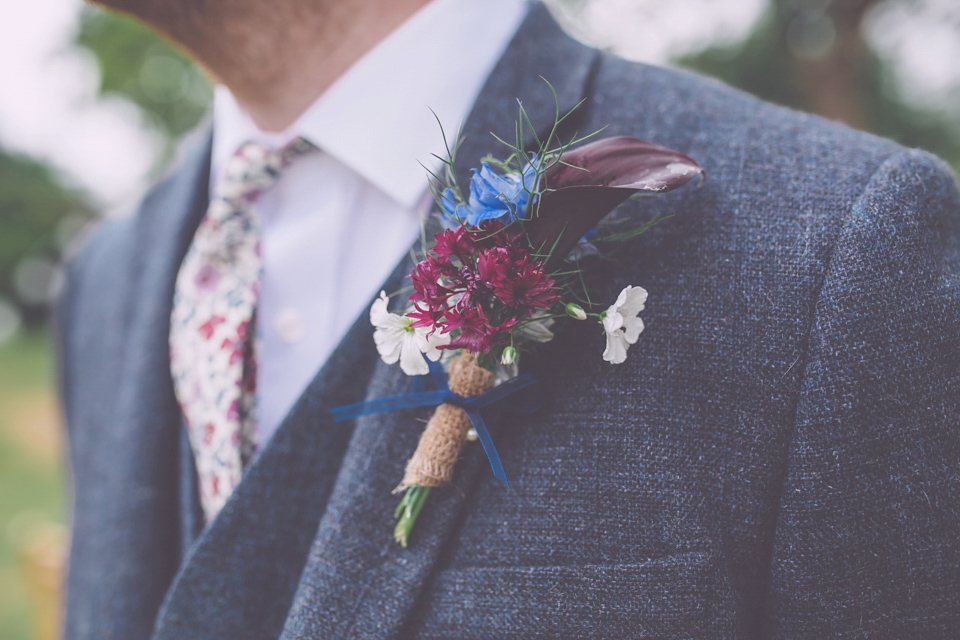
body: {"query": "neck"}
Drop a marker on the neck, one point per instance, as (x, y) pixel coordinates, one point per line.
(278, 57)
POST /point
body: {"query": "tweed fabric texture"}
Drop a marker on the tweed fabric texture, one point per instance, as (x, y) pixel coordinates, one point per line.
(777, 457)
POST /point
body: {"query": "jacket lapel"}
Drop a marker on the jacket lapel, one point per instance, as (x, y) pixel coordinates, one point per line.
(357, 581)
(240, 575)
(126, 456)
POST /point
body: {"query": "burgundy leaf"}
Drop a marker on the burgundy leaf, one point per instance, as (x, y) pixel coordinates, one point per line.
(603, 174)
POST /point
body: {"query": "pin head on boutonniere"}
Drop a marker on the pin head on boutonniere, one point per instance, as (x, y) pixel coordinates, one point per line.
(504, 266)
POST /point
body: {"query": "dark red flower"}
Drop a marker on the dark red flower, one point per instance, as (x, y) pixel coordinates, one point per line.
(477, 334)
(527, 289)
(426, 279)
(427, 317)
(480, 284)
(493, 265)
(454, 243)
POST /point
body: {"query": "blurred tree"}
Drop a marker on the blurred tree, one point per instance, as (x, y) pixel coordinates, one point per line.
(38, 213)
(137, 64)
(811, 55)
(39, 218)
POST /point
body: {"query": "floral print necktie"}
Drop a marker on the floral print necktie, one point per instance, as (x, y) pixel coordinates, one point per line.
(212, 345)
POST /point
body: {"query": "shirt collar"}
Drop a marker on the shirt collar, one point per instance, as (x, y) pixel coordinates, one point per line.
(376, 118)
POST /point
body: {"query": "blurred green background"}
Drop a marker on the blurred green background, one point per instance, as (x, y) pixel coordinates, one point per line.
(807, 54)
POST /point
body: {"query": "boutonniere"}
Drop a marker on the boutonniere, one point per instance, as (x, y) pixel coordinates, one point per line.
(505, 265)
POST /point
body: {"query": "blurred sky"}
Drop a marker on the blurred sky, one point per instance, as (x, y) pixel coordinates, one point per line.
(49, 108)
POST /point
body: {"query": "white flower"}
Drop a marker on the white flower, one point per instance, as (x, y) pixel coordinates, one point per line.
(397, 340)
(622, 323)
(575, 311)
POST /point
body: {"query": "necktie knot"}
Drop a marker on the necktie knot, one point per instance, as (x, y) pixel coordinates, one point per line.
(254, 167)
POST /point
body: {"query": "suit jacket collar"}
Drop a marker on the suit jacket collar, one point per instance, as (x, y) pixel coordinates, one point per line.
(304, 545)
(126, 507)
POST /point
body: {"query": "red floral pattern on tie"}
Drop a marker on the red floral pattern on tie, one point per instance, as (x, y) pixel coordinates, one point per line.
(212, 353)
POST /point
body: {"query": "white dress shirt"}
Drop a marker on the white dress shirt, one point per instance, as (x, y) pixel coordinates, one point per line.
(337, 222)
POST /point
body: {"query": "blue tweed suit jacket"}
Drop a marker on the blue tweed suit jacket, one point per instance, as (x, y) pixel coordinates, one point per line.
(778, 457)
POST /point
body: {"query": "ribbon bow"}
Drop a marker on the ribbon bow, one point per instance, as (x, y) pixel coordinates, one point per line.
(419, 397)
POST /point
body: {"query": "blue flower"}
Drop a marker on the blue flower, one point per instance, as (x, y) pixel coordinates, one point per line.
(492, 197)
(453, 212)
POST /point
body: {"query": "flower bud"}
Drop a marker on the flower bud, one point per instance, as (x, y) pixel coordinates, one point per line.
(509, 355)
(575, 311)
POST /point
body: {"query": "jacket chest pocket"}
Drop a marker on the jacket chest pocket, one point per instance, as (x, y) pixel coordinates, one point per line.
(685, 595)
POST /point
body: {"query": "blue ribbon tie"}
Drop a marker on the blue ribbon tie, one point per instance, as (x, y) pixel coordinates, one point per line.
(420, 397)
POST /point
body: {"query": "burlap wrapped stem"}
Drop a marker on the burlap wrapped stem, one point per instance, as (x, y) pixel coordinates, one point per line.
(432, 463)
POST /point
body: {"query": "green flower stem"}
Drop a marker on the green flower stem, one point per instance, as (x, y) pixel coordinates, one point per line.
(408, 510)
